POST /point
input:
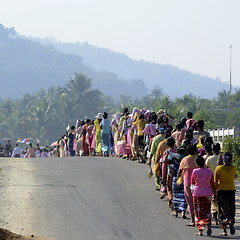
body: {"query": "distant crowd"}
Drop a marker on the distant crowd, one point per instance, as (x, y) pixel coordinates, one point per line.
(29, 152)
(188, 167)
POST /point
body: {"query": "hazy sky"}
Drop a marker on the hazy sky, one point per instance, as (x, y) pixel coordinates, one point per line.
(190, 34)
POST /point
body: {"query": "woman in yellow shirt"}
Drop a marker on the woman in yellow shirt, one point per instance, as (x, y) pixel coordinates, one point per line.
(224, 178)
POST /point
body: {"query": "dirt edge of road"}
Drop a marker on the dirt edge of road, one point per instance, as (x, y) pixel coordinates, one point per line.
(6, 235)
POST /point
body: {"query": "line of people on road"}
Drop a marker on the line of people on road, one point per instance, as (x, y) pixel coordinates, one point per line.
(185, 162)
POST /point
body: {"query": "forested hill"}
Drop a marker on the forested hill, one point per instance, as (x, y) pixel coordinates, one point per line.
(172, 80)
(26, 66)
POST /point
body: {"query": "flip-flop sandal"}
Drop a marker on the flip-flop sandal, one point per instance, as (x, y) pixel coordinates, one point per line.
(223, 234)
(184, 217)
(199, 234)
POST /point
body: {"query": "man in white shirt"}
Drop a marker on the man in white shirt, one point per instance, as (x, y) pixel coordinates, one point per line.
(17, 152)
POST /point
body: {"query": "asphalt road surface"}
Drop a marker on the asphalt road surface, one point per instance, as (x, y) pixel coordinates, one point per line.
(86, 198)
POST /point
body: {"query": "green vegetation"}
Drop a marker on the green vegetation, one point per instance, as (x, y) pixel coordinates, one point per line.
(233, 146)
(45, 114)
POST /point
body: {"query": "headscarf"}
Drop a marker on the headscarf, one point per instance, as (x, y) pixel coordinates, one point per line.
(227, 157)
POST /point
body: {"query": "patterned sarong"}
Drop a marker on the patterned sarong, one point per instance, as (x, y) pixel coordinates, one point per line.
(202, 210)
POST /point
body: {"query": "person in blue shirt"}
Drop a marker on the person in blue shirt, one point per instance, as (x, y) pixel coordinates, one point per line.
(105, 134)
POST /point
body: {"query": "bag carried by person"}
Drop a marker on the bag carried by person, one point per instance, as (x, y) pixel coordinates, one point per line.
(121, 148)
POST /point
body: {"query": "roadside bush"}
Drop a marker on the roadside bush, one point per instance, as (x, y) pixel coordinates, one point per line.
(233, 146)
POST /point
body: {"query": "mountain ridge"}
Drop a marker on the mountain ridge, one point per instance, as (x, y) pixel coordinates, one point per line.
(153, 74)
(29, 64)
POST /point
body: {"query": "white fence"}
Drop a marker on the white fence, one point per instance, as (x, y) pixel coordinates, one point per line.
(219, 134)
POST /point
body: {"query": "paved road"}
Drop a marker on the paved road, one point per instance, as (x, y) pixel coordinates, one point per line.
(86, 198)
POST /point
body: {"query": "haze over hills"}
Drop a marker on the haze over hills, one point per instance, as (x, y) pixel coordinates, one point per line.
(171, 80)
(27, 65)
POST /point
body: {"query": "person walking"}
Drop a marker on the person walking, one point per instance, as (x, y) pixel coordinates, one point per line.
(202, 179)
(105, 135)
(97, 133)
(224, 177)
(186, 166)
(17, 152)
(8, 148)
(212, 163)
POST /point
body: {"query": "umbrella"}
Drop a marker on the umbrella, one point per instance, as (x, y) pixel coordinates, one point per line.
(18, 141)
(27, 140)
(54, 144)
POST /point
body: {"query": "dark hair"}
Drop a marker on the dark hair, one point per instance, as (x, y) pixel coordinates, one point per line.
(183, 120)
(189, 136)
(216, 147)
(160, 120)
(181, 150)
(192, 149)
(153, 117)
(88, 121)
(125, 110)
(208, 140)
(189, 115)
(167, 133)
(82, 123)
(208, 147)
(165, 119)
(200, 161)
(200, 124)
(170, 142)
(141, 116)
(105, 115)
(179, 125)
(227, 157)
(72, 127)
(16, 144)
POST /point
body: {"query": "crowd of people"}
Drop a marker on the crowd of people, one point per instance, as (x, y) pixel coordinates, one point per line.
(29, 152)
(186, 164)
(188, 167)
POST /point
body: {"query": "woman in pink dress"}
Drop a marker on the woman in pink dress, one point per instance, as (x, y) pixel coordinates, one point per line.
(202, 179)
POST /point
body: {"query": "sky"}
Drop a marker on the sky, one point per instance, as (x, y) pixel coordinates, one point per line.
(194, 35)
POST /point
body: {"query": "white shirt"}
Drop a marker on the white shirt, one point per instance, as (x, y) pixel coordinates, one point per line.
(17, 150)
